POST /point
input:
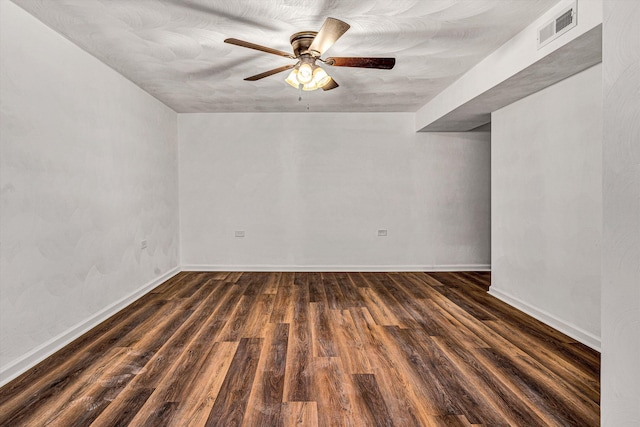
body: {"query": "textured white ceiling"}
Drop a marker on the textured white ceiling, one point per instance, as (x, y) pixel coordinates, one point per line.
(174, 49)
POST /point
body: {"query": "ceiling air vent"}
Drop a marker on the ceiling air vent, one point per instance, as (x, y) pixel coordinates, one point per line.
(563, 22)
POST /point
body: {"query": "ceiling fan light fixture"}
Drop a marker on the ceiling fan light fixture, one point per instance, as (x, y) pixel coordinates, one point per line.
(312, 85)
(305, 73)
(299, 76)
(292, 79)
(321, 77)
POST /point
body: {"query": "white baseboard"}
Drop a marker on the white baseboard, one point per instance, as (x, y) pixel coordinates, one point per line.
(30, 359)
(338, 268)
(566, 328)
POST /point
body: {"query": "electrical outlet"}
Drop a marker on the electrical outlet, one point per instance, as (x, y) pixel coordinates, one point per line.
(382, 233)
(239, 233)
(143, 244)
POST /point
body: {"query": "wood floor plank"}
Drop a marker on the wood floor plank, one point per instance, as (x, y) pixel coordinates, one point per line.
(332, 393)
(373, 405)
(580, 381)
(537, 335)
(425, 370)
(444, 375)
(316, 290)
(74, 379)
(298, 374)
(192, 284)
(352, 298)
(204, 390)
(425, 281)
(480, 329)
(271, 285)
(408, 405)
(424, 318)
(254, 284)
(265, 402)
(519, 345)
(378, 309)
(349, 345)
(357, 280)
(462, 299)
(322, 335)
(123, 414)
(393, 297)
(183, 373)
(299, 414)
(244, 310)
(509, 406)
(22, 398)
(56, 371)
(83, 407)
(475, 280)
(542, 396)
(258, 317)
(454, 328)
(231, 402)
(411, 284)
(282, 311)
(176, 363)
(335, 298)
(313, 349)
(451, 421)
(233, 277)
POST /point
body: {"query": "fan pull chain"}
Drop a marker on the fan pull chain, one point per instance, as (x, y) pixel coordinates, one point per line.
(300, 92)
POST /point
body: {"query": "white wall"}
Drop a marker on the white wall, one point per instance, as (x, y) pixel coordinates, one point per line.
(88, 170)
(547, 204)
(621, 215)
(310, 190)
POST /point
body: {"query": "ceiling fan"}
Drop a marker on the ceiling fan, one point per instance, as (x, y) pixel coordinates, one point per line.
(308, 46)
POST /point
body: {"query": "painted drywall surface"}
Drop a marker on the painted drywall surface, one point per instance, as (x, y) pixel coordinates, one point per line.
(547, 203)
(514, 56)
(88, 170)
(311, 190)
(621, 215)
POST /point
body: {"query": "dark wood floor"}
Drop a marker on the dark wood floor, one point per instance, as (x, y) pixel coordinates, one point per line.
(328, 349)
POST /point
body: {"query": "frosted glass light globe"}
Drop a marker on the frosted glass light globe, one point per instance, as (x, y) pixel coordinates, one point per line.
(305, 73)
(320, 77)
(292, 79)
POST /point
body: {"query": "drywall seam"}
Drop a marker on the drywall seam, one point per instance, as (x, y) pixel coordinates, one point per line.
(38, 354)
(566, 328)
(337, 268)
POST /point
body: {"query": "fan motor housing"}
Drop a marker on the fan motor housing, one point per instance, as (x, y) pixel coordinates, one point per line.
(301, 42)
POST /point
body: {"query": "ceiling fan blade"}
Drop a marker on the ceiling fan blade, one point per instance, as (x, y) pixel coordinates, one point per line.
(331, 85)
(381, 63)
(331, 30)
(270, 72)
(243, 43)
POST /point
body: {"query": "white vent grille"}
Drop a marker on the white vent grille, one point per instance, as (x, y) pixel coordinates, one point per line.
(563, 22)
(546, 33)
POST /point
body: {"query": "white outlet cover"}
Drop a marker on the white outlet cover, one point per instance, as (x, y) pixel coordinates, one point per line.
(143, 244)
(382, 233)
(239, 233)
